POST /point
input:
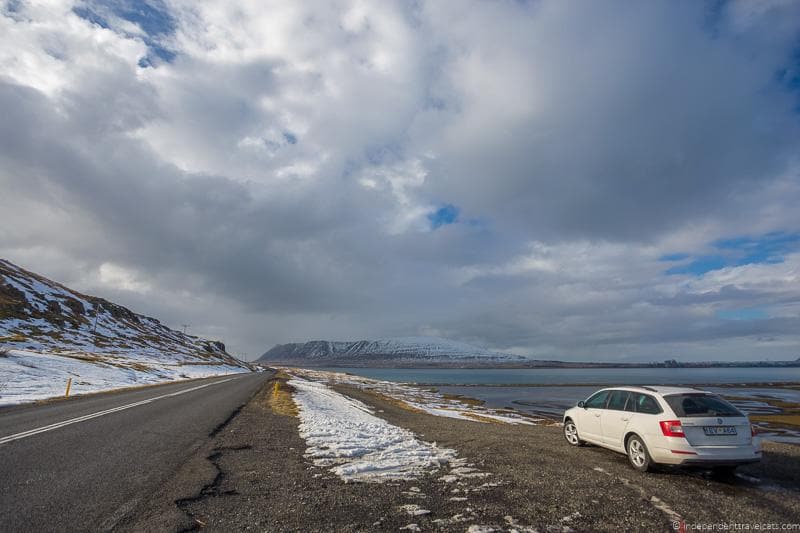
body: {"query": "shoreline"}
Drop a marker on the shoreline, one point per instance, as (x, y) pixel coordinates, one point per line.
(776, 417)
(755, 384)
(544, 365)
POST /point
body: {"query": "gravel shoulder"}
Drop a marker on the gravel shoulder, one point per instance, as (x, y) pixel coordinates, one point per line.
(252, 476)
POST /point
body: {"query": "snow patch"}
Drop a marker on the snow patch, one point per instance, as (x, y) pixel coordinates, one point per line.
(414, 509)
(342, 433)
(482, 529)
(419, 399)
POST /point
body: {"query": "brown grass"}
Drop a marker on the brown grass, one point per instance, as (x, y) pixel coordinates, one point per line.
(394, 401)
(139, 367)
(789, 419)
(480, 418)
(283, 376)
(89, 358)
(474, 402)
(279, 398)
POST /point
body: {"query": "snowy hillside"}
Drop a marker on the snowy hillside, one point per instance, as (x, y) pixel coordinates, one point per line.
(49, 333)
(400, 350)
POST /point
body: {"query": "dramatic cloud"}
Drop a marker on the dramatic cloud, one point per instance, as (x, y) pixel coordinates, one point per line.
(558, 179)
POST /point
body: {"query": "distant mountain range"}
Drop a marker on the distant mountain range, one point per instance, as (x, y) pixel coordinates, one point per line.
(412, 352)
(402, 351)
(40, 315)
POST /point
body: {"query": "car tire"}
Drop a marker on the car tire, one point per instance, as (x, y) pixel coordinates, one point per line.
(571, 433)
(638, 456)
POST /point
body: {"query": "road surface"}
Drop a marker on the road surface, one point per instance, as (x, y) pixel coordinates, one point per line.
(83, 464)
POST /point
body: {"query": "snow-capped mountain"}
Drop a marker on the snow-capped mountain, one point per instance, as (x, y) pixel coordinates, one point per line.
(400, 351)
(49, 330)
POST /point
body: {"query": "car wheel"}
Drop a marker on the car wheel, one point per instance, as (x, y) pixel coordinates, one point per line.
(571, 433)
(638, 455)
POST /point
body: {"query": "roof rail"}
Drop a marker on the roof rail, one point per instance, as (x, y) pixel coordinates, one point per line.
(649, 388)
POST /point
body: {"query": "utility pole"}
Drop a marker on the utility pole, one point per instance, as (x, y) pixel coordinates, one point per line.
(96, 312)
(97, 308)
(184, 328)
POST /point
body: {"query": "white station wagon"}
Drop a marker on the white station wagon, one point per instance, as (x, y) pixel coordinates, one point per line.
(665, 425)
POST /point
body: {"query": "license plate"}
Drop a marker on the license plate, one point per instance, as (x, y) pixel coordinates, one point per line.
(719, 430)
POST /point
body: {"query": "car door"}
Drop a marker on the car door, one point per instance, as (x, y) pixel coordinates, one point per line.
(614, 419)
(590, 425)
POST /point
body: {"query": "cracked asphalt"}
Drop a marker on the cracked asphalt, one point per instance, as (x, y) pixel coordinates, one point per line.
(91, 475)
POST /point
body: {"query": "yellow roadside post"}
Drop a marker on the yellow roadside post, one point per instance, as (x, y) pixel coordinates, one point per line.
(69, 386)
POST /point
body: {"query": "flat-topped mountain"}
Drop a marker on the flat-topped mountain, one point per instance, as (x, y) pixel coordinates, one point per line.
(400, 351)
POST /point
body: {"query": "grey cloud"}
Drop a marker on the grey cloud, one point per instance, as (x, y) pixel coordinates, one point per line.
(597, 136)
(642, 121)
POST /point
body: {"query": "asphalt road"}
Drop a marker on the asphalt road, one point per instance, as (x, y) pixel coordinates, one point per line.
(114, 450)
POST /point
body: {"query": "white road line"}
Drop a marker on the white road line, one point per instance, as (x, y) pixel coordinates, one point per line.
(57, 425)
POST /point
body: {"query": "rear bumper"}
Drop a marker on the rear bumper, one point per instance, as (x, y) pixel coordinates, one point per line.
(718, 462)
(681, 453)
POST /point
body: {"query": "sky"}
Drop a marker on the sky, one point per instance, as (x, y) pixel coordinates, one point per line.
(609, 180)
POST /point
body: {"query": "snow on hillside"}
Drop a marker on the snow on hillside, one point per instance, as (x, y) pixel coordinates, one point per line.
(29, 376)
(428, 349)
(49, 333)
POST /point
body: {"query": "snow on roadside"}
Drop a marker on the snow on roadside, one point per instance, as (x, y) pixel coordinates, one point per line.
(420, 399)
(27, 376)
(342, 433)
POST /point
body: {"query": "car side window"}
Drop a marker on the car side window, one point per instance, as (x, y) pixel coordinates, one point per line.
(617, 400)
(630, 405)
(646, 404)
(598, 401)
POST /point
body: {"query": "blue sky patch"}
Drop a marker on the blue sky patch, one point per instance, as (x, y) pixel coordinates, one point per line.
(769, 248)
(87, 14)
(152, 16)
(445, 215)
(700, 265)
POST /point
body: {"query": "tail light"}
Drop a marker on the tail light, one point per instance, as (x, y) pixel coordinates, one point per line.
(753, 430)
(672, 428)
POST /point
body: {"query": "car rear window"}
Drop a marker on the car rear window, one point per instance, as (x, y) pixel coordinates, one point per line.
(699, 405)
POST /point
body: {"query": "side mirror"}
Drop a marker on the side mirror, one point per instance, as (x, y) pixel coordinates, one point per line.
(582, 404)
